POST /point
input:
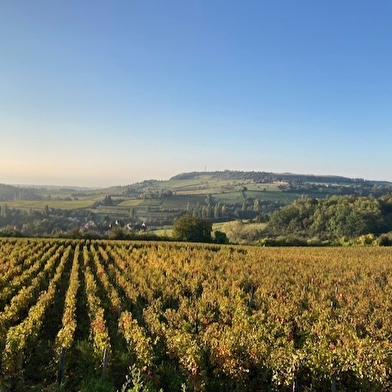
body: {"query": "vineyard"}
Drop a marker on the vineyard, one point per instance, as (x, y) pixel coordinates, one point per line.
(84, 315)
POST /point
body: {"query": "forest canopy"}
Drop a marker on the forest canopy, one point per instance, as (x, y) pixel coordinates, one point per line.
(333, 217)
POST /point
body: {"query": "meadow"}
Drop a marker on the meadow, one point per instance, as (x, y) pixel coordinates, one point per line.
(99, 315)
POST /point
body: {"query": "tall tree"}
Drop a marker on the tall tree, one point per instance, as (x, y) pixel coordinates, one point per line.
(189, 228)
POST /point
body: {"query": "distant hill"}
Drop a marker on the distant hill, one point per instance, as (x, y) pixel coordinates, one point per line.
(268, 177)
(220, 196)
(214, 182)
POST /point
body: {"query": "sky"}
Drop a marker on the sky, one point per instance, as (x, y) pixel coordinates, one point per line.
(100, 93)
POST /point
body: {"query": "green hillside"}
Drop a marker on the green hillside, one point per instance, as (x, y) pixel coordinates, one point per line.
(219, 196)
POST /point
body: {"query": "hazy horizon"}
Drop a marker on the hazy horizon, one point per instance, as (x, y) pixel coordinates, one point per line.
(99, 93)
(109, 185)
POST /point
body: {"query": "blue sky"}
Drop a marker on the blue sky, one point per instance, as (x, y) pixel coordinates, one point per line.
(100, 93)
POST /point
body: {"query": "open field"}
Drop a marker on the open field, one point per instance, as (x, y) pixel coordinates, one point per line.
(79, 313)
(61, 204)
